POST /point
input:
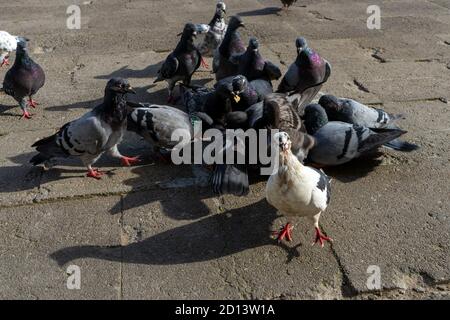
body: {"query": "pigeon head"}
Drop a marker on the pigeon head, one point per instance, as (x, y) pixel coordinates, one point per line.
(331, 105)
(190, 31)
(119, 85)
(239, 84)
(21, 45)
(221, 8)
(315, 118)
(282, 141)
(301, 44)
(224, 90)
(235, 23)
(253, 44)
(22, 40)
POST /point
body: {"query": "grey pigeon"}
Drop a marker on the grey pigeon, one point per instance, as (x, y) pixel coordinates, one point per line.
(91, 135)
(297, 190)
(252, 65)
(307, 74)
(287, 3)
(339, 142)
(232, 45)
(181, 64)
(216, 31)
(157, 123)
(24, 79)
(351, 111)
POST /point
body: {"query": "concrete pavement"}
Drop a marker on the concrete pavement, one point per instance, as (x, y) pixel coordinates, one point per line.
(156, 232)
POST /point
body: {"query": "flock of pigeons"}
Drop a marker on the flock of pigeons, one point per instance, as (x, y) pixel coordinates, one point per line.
(330, 132)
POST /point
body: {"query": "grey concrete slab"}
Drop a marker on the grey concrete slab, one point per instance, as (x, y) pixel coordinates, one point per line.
(34, 259)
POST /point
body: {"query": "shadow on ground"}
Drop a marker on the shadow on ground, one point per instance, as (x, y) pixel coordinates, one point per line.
(213, 237)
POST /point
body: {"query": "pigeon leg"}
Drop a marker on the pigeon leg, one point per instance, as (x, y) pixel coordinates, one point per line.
(94, 173)
(320, 237)
(285, 232)
(128, 161)
(32, 103)
(5, 61)
(204, 63)
(25, 113)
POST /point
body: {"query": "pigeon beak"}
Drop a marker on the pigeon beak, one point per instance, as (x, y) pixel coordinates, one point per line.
(242, 25)
(179, 34)
(236, 97)
(130, 90)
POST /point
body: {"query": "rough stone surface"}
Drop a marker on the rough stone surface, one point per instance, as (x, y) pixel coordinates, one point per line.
(155, 231)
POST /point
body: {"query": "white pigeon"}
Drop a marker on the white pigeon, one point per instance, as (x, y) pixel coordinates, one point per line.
(8, 44)
(297, 190)
(215, 31)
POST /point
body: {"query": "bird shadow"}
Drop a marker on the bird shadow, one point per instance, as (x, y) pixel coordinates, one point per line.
(125, 72)
(208, 239)
(261, 12)
(4, 110)
(355, 169)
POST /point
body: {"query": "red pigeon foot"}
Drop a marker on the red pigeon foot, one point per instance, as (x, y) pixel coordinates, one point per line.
(32, 103)
(26, 115)
(94, 173)
(128, 161)
(321, 238)
(285, 232)
(204, 63)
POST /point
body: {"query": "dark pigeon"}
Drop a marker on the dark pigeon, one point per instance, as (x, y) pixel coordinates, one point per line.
(253, 66)
(307, 74)
(181, 64)
(339, 142)
(231, 46)
(24, 79)
(287, 3)
(96, 132)
(351, 111)
(276, 112)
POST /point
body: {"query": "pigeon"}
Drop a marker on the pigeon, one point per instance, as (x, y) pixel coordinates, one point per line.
(287, 3)
(24, 79)
(157, 123)
(181, 64)
(339, 142)
(232, 45)
(8, 44)
(309, 71)
(215, 32)
(351, 111)
(245, 93)
(194, 97)
(297, 190)
(91, 135)
(279, 113)
(253, 66)
(276, 112)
